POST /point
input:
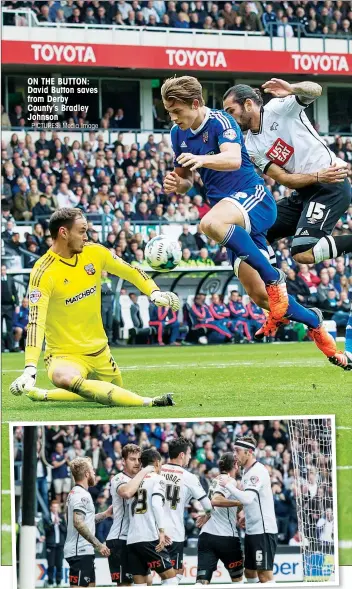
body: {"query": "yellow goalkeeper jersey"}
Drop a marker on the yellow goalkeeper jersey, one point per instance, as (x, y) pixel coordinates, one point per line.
(65, 300)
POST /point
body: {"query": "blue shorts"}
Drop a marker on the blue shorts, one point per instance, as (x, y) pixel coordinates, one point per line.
(258, 208)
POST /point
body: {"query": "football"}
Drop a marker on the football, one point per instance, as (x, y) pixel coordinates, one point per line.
(163, 254)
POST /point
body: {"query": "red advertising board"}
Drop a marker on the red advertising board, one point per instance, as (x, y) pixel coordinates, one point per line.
(174, 58)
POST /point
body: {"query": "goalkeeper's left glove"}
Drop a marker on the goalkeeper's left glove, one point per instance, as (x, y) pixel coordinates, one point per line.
(24, 382)
(165, 299)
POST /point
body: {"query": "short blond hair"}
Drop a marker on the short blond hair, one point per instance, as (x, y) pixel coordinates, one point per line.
(79, 467)
(184, 89)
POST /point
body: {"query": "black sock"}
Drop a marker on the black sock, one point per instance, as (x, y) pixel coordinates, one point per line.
(343, 244)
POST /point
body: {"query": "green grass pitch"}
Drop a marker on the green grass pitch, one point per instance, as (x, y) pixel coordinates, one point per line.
(212, 381)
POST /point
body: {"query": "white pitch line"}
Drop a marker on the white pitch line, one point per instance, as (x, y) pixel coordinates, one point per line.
(345, 544)
(184, 366)
(6, 528)
(344, 467)
(343, 427)
(5, 492)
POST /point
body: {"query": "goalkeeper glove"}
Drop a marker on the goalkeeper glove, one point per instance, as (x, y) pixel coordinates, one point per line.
(165, 299)
(24, 382)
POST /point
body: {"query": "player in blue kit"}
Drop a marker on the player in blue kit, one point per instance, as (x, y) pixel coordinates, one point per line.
(243, 209)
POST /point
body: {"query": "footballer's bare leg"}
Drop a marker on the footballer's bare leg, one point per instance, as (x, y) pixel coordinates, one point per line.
(265, 576)
(251, 576)
(253, 284)
(68, 376)
(140, 580)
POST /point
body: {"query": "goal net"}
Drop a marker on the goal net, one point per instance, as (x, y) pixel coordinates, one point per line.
(313, 458)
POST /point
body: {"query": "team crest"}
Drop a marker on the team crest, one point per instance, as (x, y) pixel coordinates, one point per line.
(254, 480)
(34, 296)
(89, 268)
(205, 137)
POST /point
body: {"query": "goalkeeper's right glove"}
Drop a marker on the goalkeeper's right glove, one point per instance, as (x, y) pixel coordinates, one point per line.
(165, 299)
(24, 382)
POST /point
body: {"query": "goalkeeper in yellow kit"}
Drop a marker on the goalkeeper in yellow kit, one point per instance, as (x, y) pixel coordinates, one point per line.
(65, 306)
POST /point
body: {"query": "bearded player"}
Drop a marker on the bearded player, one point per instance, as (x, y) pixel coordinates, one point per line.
(243, 209)
(285, 146)
(65, 303)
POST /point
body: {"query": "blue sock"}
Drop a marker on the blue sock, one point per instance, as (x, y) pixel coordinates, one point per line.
(238, 240)
(348, 343)
(297, 312)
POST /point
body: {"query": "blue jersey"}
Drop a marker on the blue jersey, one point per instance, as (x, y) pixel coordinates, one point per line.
(217, 128)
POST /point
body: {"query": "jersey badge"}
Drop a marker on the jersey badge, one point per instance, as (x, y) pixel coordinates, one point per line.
(274, 126)
(280, 152)
(34, 296)
(254, 480)
(89, 268)
(205, 137)
(183, 144)
(230, 134)
(65, 281)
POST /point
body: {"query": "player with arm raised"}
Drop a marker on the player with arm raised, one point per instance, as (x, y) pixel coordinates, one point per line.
(258, 503)
(123, 486)
(218, 538)
(81, 519)
(65, 306)
(242, 208)
(146, 539)
(181, 487)
(284, 145)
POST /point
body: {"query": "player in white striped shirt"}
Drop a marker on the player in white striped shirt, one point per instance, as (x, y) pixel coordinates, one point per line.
(219, 538)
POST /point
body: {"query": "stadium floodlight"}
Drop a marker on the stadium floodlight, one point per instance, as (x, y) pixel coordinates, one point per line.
(27, 557)
(314, 461)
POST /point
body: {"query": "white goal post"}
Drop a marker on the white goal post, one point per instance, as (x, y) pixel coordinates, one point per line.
(312, 442)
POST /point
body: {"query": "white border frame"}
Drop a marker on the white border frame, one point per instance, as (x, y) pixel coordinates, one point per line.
(335, 583)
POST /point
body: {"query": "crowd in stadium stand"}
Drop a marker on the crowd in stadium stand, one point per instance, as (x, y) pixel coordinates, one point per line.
(275, 18)
(122, 184)
(104, 443)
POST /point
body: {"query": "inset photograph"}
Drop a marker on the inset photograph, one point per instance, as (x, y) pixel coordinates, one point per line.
(177, 502)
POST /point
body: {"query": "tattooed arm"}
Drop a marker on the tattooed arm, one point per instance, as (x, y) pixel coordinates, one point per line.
(83, 530)
(306, 92)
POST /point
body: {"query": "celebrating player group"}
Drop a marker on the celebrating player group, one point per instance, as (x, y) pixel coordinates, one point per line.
(148, 505)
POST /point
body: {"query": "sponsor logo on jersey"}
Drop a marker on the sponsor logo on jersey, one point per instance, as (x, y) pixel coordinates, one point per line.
(183, 144)
(205, 137)
(254, 480)
(280, 152)
(230, 134)
(274, 126)
(34, 296)
(89, 268)
(82, 295)
(87, 579)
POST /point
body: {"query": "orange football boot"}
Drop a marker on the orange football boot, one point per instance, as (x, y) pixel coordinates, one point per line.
(278, 297)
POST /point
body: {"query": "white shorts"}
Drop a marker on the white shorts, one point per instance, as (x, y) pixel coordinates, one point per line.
(62, 485)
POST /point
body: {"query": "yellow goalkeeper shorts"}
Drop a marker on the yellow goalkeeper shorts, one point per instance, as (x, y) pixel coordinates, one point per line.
(98, 366)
